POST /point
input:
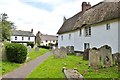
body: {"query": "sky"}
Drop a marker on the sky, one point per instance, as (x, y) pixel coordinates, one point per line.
(45, 16)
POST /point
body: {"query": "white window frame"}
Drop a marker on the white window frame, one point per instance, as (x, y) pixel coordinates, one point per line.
(108, 26)
(87, 31)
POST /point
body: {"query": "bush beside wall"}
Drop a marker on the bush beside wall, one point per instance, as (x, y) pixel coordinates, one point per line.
(16, 52)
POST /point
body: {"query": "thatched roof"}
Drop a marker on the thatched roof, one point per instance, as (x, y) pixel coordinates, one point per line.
(69, 24)
(100, 12)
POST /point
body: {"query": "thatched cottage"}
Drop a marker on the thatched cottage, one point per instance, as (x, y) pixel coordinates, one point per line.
(94, 26)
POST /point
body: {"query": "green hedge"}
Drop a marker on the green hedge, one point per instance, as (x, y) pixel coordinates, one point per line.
(16, 52)
(30, 44)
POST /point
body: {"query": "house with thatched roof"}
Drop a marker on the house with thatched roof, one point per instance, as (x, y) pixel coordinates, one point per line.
(94, 26)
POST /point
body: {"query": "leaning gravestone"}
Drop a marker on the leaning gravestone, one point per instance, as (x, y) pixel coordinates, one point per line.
(36, 49)
(94, 58)
(29, 49)
(106, 56)
(70, 49)
(60, 53)
(86, 54)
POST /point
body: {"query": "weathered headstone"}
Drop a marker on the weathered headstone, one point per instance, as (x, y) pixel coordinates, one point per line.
(70, 49)
(29, 49)
(60, 53)
(72, 74)
(94, 58)
(86, 54)
(106, 56)
(36, 49)
(3, 53)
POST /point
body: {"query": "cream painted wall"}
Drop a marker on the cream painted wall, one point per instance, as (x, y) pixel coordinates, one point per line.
(19, 38)
(99, 37)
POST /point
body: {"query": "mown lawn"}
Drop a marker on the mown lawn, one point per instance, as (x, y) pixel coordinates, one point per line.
(52, 68)
(10, 66)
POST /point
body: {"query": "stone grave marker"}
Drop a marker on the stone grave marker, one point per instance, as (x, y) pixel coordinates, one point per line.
(2, 52)
(60, 53)
(29, 49)
(72, 74)
(86, 54)
(106, 56)
(94, 58)
(70, 49)
(116, 60)
(36, 49)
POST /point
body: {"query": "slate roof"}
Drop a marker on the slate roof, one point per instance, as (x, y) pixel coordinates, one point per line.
(100, 12)
(22, 33)
(49, 37)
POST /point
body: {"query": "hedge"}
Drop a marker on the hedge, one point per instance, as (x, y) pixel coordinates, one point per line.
(16, 52)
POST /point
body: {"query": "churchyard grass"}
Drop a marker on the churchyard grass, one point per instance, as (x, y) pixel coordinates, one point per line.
(52, 68)
(10, 66)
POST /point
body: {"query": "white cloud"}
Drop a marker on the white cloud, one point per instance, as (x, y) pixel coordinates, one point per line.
(27, 17)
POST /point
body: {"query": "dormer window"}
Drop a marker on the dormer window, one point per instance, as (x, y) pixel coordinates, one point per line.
(87, 31)
(107, 26)
(80, 32)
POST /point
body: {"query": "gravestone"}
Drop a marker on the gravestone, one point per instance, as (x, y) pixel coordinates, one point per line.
(60, 53)
(86, 54)
(106, 56)
(72, 74)
(36, 49)
(94, 58)
(29, 49)
(70, 49)
(2, 52)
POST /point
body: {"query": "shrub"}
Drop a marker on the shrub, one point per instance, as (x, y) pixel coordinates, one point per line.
(46, 47)
(30, 44)
(16, 52)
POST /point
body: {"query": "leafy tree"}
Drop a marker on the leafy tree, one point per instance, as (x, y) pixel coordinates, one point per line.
(6, 27)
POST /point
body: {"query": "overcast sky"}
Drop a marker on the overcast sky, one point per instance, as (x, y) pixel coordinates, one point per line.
(45, 16)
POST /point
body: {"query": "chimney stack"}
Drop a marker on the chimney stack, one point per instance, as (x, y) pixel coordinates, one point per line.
(31, 30)
(85, 6)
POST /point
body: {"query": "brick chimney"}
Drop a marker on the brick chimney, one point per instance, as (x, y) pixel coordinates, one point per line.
(85, 6)
(31, 30)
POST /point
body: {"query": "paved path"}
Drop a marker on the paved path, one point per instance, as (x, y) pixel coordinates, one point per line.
(24, 70)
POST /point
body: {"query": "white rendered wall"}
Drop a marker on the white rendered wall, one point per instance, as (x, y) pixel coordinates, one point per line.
(66, 41)
(99, 37)
(19, 39)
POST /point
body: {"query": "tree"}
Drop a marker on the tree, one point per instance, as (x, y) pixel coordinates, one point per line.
(6, 27)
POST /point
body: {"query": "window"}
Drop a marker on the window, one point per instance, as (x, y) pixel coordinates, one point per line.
(28, 38)
(87, 31)
(15, 37)
(80, 32)
(69, 36)
(46, 40)
(86, 46)
(53, 40)
(61, 37)
(107, 26)
(22, 38)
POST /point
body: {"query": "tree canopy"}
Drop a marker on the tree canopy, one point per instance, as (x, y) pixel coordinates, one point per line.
(5, 27)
